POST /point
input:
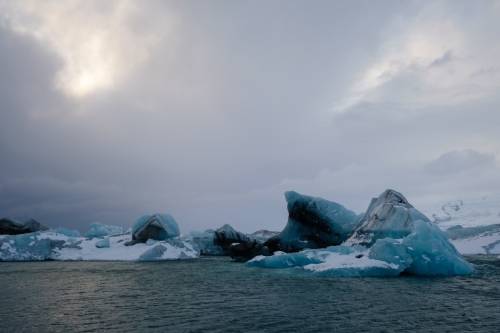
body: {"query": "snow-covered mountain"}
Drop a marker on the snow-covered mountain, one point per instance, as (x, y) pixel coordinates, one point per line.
(473, 226)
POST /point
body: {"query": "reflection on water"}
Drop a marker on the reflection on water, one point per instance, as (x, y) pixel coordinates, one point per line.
(214, 294)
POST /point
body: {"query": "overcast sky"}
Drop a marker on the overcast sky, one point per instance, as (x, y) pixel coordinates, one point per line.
(210, 110)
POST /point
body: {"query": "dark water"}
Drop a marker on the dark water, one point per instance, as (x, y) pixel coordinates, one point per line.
(216, 295)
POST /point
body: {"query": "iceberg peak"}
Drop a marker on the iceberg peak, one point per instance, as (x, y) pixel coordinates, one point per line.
(388, 215)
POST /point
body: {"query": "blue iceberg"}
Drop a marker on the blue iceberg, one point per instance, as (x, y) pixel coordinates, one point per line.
(392, 238)
(171, 249)
(339, 260)
(156, 226)
(432, 252)
(203, 242)
(154, 253)
(27, 247)
(102, 243)
(313, 223)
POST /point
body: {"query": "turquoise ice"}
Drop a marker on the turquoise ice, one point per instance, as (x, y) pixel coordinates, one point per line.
(99, 230)
(392, 238)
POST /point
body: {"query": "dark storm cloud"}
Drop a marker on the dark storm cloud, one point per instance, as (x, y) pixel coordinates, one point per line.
(236, 103)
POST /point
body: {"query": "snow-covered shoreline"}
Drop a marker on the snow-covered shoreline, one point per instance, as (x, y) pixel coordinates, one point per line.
(391, 237)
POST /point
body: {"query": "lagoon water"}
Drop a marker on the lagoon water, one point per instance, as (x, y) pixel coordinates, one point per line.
(217, 295)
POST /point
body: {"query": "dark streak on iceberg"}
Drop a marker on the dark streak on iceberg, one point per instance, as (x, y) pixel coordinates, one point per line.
(313, 223)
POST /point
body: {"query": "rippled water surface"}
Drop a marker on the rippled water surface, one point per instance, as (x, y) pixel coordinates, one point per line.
(216, 295)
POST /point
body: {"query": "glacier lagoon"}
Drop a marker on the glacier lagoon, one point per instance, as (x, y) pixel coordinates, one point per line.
(391, 238)
(213, 294)
(385, 248)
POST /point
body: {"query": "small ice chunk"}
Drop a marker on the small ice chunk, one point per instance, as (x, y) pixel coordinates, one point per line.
(102, 243)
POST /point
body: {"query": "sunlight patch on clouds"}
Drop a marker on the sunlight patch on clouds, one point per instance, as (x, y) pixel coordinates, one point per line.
(424, 62)
(99, 42)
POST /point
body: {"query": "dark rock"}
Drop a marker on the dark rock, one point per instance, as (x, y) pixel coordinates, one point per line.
(226, 236)
(14, 227)
(247, 250)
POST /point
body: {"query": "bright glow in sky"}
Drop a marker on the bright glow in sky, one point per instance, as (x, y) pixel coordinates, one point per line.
(98, 49)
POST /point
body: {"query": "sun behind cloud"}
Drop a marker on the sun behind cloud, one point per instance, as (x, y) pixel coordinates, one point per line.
(95, 40)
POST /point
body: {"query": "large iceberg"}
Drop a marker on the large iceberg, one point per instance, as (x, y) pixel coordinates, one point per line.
(392, 238)
(313, 223)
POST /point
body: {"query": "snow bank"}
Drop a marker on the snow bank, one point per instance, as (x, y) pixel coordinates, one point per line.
(473, 225)
(50, 245)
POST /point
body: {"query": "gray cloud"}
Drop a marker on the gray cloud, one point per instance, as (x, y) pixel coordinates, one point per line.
(459, 161)
(235, 103)
(444, 59)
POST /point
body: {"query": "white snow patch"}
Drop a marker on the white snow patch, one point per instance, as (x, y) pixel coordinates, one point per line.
(353, 260)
